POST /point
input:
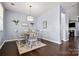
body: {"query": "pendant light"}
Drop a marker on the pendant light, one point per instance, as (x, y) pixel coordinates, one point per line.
(30, 18)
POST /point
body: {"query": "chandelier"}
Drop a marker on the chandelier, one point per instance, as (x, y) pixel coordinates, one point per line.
(30, 18)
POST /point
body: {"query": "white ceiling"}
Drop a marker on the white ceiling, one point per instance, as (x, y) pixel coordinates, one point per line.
(38, 8)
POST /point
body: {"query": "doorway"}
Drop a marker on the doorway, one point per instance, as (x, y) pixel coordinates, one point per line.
(64, 27)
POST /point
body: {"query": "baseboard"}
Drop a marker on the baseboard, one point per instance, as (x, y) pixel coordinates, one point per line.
(9, 41)
(2, 44)
(65, 40)
(53, 41)
(56, 42)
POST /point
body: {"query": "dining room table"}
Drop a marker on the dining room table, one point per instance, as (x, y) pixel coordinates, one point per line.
(28, 34)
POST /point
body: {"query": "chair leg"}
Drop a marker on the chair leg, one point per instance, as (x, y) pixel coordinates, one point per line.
(30, 44)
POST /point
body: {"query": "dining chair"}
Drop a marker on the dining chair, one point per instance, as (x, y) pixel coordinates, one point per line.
(32, 41)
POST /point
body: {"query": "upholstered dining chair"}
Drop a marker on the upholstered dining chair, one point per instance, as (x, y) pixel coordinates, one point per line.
(32, 40)
(39, 35)
(23, 37)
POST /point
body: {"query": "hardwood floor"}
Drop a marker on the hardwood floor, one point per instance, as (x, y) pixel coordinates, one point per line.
(69, 48)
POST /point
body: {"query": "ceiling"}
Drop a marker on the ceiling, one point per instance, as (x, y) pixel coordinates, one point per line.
(38, 8)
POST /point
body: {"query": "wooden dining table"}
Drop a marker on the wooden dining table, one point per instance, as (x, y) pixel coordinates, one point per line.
(29, 33)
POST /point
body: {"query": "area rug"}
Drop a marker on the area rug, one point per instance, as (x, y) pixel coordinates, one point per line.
(25, 48)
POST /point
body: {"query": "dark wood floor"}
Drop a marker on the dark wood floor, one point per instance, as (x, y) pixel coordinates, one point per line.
(69, 48)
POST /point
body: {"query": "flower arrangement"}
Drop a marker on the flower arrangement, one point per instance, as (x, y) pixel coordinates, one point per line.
(16, 21)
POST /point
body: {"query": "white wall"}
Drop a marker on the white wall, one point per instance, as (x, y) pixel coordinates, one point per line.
(73, 12)
(52, 33)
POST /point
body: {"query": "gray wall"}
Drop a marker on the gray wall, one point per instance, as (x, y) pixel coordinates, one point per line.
(52, 33)
(10, 27)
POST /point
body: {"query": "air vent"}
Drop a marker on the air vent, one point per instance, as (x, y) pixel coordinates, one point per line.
(12, 4)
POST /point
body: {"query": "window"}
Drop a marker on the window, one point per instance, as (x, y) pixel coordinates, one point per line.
(1, 17)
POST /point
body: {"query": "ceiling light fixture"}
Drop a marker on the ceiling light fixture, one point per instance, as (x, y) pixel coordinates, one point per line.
(30, 18)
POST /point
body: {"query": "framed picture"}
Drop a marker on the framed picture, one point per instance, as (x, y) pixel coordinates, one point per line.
(45, 24)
